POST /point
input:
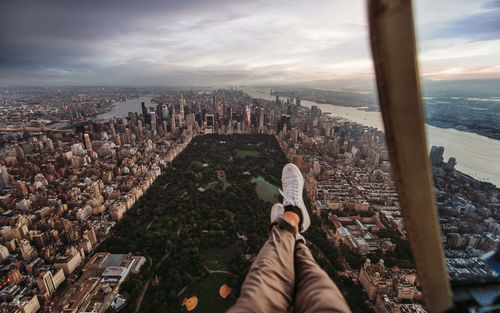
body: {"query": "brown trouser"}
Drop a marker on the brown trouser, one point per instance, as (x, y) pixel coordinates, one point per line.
(283, 269)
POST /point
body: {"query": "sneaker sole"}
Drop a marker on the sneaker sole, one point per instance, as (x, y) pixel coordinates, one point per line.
(275, 207)
(306, 221)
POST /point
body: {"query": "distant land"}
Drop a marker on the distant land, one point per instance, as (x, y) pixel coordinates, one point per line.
(446, 106)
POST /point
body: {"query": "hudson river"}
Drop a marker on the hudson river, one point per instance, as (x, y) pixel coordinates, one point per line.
(476, 155)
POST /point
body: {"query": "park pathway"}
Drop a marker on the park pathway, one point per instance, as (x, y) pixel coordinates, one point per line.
(157, 266)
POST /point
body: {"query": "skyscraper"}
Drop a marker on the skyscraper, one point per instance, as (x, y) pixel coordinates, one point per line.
(261, 119)
(436, 155)
(145, 115)
(173, 127)
(4, 176)
(86, 141)
(164, 112)
(152, 117)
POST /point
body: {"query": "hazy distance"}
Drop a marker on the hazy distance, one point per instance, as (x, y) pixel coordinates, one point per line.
(213, 43)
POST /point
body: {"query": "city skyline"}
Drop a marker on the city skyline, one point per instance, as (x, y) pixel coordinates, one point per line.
(238, 43)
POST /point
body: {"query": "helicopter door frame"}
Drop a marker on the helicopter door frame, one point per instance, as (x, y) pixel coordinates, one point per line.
(392, 39)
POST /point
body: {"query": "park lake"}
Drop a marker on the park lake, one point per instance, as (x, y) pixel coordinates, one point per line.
(265, 190)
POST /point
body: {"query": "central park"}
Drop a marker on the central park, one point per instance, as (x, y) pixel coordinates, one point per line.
(202, 223)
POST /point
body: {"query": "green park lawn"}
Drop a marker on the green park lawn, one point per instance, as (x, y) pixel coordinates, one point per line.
(207, 292)
(244, 153)
(217, 258)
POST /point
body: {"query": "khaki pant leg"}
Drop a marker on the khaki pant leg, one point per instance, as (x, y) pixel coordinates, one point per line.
(269, 284)
(315, 291)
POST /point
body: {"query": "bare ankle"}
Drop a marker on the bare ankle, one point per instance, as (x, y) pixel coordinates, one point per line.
(293, 218)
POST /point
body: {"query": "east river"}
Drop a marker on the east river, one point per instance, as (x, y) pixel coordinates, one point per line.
(477, 156)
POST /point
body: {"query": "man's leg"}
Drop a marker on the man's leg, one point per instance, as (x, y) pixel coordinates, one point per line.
(270, 281)
(315, 291)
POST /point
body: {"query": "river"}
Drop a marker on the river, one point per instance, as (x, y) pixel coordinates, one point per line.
(118, 110)
(121, 109)
(477, 156)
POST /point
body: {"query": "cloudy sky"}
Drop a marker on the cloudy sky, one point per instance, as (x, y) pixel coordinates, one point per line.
(174, 42)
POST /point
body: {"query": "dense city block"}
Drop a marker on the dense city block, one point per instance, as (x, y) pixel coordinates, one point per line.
(147, 199)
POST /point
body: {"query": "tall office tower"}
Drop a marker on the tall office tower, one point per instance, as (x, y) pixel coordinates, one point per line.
(210, 126)
(210, 120)
(173, 127)
(315, 112)
(164, 112)
(213, 105)
(261, 120)
(86, 141)
(182, 103)
(297, 101)
(342, 138)
(117, 140)
(145, 115)
(451, 163)
(271, 122)
(152, 118)
(277, 100)
(328, 128)
(113, 130)
(284, 123)
(4, 176)
(436, 155)
(220, 111)
(50, 145)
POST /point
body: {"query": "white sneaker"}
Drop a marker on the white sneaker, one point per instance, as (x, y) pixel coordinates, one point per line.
(276, 211)
(292, 183)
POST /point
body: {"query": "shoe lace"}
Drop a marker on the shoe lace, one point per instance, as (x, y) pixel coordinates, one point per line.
(289, 192)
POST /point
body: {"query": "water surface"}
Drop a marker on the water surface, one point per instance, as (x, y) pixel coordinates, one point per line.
(265, 190)
(477, 156)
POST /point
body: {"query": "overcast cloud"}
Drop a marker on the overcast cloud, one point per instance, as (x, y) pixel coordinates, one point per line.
(158, 42)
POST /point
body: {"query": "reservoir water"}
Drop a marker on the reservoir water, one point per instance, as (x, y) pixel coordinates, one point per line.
(477, 156)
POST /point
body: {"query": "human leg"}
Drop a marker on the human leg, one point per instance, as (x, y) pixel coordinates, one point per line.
(269, 284)
(315, 291)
